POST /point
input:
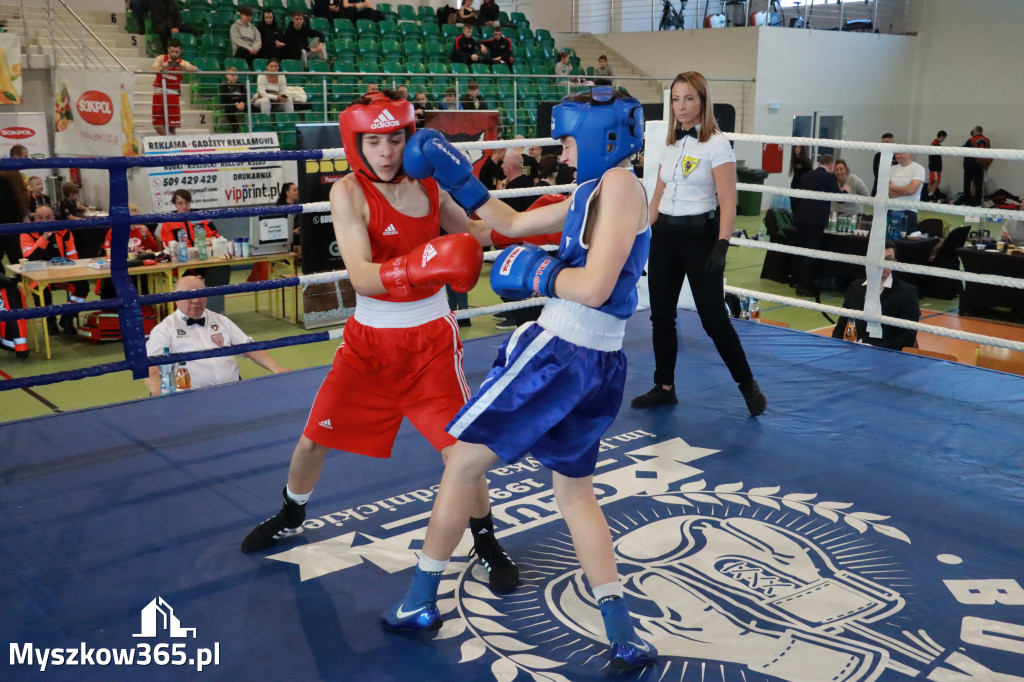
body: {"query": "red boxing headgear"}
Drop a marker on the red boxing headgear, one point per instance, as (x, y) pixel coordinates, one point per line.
(381, 116)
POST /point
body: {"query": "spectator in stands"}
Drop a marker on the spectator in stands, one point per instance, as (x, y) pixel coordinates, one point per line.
(328, 9)
(245, 38)
(69, 208)
(300, 40)
(489, 13)
(472, 99)
(36, 195)
(19, 151)
(233, 99)
(450, 103)
(563, 67)
(467, 15)
(851, 184)
(547, 170)
(139, 8)
(360, 10)
(271, 35)
(166, 16)
(272, 90)
(603, 73)
(420, 106)
(512, 167)
(898, 299)
(193, 327)
(372, 86)
(167, 88)
(403, 92)
(498, 48)
(466, 49)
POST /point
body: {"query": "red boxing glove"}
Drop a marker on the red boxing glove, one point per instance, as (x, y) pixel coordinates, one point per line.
(500, 241)
(453, 259)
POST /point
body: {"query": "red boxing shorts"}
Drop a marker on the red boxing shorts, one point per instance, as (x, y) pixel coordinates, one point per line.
(173, 110)
(380, 375)
(934, 176)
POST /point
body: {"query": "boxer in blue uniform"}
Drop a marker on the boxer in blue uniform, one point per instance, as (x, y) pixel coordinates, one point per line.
(557, 383)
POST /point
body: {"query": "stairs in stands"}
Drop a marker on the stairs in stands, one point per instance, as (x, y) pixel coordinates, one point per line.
(589, 48)
(129, 48)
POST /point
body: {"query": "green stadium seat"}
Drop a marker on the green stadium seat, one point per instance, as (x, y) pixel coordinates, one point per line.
(430, 27)
(346, 65)
(543, 34)
(261, 123)
(292, 65)
(410, 31)
(393, 66)
(344, 27)
(412, 50)
(319, 24)
(500, 69)
(368, 47)
(390, 48)
(298, 6)
(458, 68)
(425, 12)
(389, 30)
(435, 52)
(365, 27)
(481, 69)
(238, 63)
(486, 32)
(188, 43)
(437, 67)
(519, 19)
(369, 65)
(344, 48)
(407, 13)
(259, 64)
(388, 10)
(451, 32)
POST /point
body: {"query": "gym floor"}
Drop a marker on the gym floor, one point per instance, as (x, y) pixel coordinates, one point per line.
(743, 270)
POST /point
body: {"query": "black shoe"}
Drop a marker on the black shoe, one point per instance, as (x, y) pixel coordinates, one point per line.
(502, 572)
(465, 322)
(286, 522)
(67, 325)
(507, 323)
(756, 402)
(656, 397)
(800, 291)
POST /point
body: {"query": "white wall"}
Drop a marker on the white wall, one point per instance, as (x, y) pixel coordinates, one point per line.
(968, 72)
(857, 75)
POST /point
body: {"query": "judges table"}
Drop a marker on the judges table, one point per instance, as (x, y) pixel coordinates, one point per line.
(980, 296)
(161, 278)
(915, 251)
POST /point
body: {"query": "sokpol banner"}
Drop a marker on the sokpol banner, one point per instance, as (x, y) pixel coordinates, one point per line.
(245, 183)
(93, 115)
(27, 129)
(10, 68)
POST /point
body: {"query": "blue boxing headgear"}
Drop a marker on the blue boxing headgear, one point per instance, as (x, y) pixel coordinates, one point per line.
(606, 130)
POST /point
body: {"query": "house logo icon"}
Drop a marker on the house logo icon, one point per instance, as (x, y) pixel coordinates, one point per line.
(158, 615)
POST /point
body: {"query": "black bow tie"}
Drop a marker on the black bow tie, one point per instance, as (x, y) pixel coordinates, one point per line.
(201, 321)
(683, 132)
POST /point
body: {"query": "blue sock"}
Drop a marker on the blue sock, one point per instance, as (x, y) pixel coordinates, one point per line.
(618, 624)
(423, 589)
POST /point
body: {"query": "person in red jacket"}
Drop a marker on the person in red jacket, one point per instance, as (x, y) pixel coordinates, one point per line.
(46, 246)
(402, 356)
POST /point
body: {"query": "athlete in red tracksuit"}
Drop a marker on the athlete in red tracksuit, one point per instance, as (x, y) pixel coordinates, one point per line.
(401, 356)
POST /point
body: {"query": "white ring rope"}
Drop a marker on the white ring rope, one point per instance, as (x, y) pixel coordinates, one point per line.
(873, 266)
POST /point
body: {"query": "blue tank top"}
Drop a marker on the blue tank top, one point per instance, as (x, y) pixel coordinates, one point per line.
(571, 250)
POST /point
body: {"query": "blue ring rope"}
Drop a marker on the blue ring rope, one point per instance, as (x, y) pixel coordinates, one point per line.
(128, 301)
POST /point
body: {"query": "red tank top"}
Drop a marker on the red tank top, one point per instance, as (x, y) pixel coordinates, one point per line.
(394, 234)
(169, 79)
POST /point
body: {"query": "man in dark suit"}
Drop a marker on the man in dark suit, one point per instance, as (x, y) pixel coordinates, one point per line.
(898, 299)
(811, 218)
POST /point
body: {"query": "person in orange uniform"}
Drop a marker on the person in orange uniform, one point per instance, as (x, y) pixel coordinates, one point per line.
(46, 246)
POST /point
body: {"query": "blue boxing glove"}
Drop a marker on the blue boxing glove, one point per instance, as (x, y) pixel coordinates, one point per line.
(429, 155)
(523, 270)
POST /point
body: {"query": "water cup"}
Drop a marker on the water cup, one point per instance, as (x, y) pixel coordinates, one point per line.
(245, 247)
(1000, 246)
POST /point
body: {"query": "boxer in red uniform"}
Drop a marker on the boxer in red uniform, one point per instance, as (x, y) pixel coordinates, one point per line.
(401, 356)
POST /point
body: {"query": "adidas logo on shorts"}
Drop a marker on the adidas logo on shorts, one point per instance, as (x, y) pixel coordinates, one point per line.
(385, 120)
(326, 424)
(390, 231)
(428, 253)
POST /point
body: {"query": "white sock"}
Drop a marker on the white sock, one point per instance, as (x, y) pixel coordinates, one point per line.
(428, 565)
(296, 497)
(602, 592)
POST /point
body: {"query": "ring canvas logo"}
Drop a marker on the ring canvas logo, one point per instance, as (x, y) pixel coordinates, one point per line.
(752, 582)
(157, 620)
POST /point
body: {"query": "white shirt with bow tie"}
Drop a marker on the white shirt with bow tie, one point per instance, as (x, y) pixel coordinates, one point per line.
(218, 331)
(686, 171)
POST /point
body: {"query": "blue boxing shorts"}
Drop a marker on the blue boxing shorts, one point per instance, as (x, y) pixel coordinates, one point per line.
(547, 397)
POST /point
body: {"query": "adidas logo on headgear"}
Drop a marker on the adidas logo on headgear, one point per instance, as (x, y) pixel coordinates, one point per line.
(385, 120)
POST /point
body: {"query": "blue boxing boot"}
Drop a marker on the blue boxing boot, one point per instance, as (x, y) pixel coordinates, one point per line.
(628, 651)
(417, 612)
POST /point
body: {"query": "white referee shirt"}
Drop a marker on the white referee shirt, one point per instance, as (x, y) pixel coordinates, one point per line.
(686, 171)
(175, 333)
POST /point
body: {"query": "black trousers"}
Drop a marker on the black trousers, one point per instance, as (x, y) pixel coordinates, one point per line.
(811, 237)
(675, 254)
(974, 184)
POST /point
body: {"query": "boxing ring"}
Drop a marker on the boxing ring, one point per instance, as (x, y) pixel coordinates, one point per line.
(868, 526)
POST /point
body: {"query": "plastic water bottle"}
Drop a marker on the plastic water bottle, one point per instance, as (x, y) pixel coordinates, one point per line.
(744, 308)
(182, 380)
(166, 370)
(182, 246)
(754, 310)
(762, 233)
(832, 222)
(850, 333)
(200, 233)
